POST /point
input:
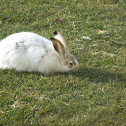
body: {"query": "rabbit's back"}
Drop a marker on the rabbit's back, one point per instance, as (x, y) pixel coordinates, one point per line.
(23, 51)
(25, 37)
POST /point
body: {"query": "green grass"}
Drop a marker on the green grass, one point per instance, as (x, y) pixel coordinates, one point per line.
(95, 95)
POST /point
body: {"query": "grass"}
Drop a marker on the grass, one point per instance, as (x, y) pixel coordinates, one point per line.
(95, 95)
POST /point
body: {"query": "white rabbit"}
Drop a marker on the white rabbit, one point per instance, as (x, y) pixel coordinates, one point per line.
(26, 51)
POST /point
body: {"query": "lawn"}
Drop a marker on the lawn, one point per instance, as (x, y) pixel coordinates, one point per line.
(95, 95)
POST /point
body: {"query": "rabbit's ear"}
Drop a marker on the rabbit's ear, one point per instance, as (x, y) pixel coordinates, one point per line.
(58, 46)
(60, 37)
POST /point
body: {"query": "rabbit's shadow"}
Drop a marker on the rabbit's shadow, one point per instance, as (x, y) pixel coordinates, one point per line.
(92, 74)
(96, 75)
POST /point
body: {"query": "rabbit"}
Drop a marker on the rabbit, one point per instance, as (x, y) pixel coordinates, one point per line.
(27, 51)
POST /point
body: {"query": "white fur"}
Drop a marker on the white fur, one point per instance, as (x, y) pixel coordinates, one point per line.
(28, 51)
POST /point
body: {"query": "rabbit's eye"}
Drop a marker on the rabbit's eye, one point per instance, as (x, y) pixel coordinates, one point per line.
(70, 63)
